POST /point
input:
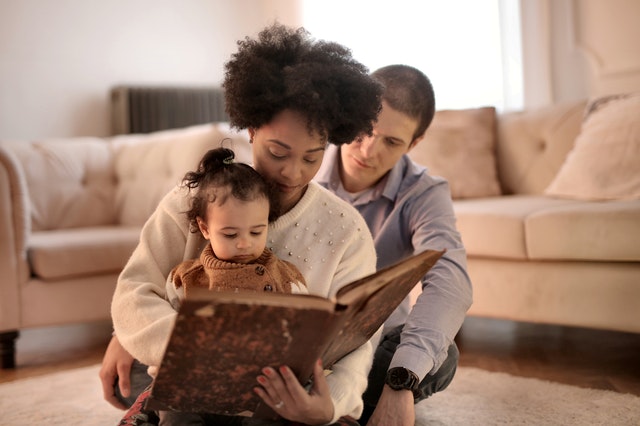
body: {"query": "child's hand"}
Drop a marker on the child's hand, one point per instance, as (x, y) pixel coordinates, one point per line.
(282, 392)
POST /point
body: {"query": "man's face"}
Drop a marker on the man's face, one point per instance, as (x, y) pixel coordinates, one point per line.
(364, 162)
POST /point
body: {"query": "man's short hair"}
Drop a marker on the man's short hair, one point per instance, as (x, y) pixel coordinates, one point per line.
(409, 91)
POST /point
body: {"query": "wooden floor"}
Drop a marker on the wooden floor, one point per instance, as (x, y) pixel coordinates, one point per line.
(580, 357)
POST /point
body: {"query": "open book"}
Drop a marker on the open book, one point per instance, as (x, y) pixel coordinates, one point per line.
(222, 340)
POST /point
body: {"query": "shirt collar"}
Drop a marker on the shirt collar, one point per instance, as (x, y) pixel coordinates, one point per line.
(328, 175)
(395, 178)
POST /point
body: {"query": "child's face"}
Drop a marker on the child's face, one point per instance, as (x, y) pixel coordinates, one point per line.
(237, 230)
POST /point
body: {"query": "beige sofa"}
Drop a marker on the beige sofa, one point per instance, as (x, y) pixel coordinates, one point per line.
(70, 216)
(71, 211)
(548, 205)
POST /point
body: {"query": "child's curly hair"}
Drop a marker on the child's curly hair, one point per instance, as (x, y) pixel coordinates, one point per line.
(219, 177)
(285, 68)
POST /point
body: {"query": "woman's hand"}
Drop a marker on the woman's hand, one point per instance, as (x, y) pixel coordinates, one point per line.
(282, 392)
(116, 364)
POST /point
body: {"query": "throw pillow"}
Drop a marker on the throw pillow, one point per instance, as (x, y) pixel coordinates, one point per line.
(460, 146)
(604, 163)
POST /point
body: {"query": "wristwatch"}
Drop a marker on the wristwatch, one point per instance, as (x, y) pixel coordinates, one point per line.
(402, 378)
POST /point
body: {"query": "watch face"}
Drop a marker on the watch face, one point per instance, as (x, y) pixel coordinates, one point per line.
(401, 378)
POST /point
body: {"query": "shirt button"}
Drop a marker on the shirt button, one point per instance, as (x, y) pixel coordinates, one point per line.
(260, 270)
(268, 287)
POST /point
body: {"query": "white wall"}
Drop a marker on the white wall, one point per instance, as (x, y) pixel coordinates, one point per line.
(58, 59)
(466, 71)
(607, 35)
(575, 49)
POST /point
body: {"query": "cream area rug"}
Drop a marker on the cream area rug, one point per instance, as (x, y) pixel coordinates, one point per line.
(475, 397)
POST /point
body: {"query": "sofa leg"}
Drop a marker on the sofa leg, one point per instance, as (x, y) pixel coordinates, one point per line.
(8, 349)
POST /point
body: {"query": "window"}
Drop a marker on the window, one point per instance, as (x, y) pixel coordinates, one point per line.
(468, 48)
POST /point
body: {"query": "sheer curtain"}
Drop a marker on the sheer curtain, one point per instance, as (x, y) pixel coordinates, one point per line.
(470, 49)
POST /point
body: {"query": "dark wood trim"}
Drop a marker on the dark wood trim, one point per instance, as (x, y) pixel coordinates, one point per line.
(8, 349)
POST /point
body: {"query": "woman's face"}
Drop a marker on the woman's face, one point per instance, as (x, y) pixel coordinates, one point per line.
(286, 154)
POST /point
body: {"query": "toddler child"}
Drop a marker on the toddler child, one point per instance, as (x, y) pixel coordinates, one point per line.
(231, 206)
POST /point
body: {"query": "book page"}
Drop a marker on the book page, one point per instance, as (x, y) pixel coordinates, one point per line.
(369, 302)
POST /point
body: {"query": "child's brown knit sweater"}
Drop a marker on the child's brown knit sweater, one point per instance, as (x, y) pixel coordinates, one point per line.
(266, 273)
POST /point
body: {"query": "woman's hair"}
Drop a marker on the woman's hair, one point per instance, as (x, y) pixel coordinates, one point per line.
(284, 68)
(409, 91)
(217, 178)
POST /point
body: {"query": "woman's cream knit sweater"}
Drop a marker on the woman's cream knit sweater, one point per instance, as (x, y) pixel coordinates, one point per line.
(323, 236)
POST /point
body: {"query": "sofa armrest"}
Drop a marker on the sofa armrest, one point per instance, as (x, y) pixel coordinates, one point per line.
(15, 227)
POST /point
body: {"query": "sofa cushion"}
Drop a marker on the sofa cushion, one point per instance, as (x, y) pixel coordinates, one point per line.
(533, 227)
(74, 252)
(148, 166)
(70, 181)
(605, 161)
(585, 230)
(495, 226)
(460, 146)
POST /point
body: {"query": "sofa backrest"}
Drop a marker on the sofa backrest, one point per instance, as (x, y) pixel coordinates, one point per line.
(532, 145)
(147, 166)
(86, 181)
(69, 182)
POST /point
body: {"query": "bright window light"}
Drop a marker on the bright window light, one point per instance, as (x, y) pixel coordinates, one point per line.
(458, 44)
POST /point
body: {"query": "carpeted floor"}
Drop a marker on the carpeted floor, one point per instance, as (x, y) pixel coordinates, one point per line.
(475, 397)
(480, 398)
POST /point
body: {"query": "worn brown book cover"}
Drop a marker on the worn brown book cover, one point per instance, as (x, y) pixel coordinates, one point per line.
(222, 340)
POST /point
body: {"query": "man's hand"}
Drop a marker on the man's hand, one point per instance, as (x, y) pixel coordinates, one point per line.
(394, 408)
(116, 364)
(282, 392)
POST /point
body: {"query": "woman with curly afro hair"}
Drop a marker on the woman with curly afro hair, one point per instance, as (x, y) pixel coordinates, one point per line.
(285, 69)
(293, 95)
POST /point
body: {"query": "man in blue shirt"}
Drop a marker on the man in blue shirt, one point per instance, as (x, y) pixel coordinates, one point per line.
(407, 211)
